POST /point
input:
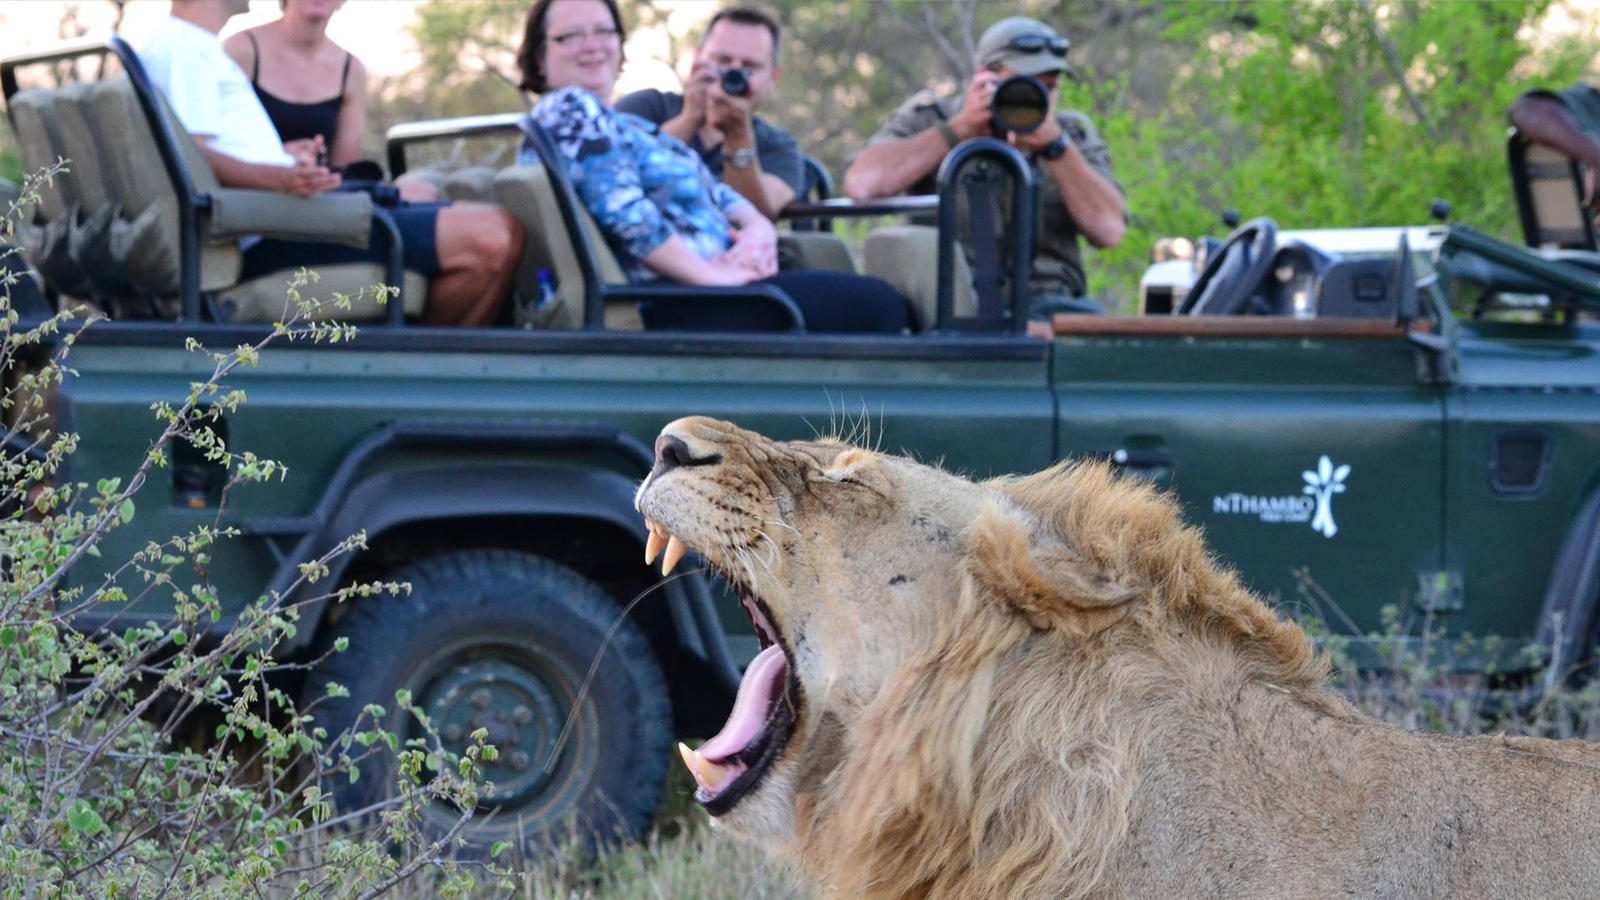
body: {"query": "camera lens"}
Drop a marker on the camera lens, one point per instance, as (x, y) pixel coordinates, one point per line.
(735, 82)
(1020, 104)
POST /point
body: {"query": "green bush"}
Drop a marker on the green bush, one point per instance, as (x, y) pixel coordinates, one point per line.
(1323, 115)
(146, 758)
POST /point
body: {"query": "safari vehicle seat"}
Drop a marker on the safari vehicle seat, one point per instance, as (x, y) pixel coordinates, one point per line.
(572, 230)
(1548, 186)
(33, 113)
(907, 256)
(811, 243)
(563, 240)
(47, 244)
(71, 248)
(153, 245)
(170, 231)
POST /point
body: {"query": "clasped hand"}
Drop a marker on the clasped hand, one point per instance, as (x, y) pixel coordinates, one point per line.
(755, 249)
(309, 177)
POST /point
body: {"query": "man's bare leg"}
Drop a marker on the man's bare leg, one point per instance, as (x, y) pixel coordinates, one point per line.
(479, 245)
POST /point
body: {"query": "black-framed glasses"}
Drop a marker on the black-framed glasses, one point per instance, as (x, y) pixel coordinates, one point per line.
(1034, 43)
(604, 32)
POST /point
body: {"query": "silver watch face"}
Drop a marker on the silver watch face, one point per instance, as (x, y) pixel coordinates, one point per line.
(742, 158)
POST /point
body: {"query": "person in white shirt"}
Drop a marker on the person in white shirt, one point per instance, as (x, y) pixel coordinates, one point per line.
(468, 251)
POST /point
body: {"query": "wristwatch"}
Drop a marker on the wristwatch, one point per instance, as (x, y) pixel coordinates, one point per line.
(742, 158)
(1056, 148)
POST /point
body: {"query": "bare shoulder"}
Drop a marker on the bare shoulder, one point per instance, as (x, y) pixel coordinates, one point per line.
(358, 69)
(241, 47)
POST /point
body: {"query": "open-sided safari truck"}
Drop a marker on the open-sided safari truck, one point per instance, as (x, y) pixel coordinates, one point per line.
(1421, 431)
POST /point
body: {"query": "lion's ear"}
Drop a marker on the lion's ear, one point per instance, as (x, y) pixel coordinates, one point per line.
(1040, 577)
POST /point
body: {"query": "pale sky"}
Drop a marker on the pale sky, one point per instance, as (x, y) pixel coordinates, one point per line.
(374, 30)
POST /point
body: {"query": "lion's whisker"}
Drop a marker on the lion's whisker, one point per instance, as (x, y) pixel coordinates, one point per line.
(594, 667)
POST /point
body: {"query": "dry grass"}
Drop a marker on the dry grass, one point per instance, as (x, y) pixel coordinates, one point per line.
(684, 857)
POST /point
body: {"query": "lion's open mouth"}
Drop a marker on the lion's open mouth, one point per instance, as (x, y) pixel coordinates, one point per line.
(729, 766)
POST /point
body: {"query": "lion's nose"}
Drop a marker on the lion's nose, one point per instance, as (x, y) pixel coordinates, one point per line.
(672, 452)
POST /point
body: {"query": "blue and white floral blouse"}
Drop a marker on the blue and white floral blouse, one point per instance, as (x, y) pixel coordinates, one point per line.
(641, 186)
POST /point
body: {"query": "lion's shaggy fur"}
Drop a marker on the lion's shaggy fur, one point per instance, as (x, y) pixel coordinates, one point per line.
(992, 766)
(1094, 707)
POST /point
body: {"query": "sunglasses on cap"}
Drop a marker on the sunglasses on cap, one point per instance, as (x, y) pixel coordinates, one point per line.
(1034, 43)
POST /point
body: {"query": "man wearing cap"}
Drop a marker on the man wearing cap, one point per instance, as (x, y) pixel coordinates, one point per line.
(1077, 193)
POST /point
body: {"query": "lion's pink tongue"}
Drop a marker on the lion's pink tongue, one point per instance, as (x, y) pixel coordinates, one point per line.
(763, 679)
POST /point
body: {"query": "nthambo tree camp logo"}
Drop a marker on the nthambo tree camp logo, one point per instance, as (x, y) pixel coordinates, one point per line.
(1313, 504)
(1323, 484)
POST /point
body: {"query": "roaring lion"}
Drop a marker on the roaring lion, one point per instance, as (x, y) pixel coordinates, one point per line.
(1045, 687)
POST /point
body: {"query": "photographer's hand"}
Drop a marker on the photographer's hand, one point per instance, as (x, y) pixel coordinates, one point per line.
(1039, 138)
(692, 117)
(974, 116)
(730, 115)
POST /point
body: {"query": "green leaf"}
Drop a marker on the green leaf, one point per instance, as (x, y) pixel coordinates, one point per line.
(498, 848)
(341, 644)
(125, 511)
(355, 774)
(84, 820)
(8, 636)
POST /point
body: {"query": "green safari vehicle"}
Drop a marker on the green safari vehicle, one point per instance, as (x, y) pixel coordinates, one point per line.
(1413, 425)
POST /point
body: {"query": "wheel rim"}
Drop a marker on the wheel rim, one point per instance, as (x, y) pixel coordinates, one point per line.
(518, 698)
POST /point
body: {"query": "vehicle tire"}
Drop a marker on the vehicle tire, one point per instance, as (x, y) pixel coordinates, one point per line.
(503, 640)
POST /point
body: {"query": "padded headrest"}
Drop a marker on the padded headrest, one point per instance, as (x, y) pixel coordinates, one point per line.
(138, 175)
(33, 113)
(82, 142)
(470, 183)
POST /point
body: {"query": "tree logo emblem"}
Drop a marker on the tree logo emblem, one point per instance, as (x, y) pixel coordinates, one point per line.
(1323, 484)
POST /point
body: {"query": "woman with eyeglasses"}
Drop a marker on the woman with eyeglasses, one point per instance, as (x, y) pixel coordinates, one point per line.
(1078, 195)
(663, 214)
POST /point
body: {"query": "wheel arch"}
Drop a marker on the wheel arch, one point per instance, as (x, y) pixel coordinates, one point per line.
(435, 507)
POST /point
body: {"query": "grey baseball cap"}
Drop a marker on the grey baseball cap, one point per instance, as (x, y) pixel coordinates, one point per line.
(1023, 45)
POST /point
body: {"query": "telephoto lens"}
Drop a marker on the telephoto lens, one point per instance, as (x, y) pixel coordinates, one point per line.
(735, 82)
(1020, 104)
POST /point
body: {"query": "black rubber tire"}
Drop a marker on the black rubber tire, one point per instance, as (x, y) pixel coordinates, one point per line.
(491, 634)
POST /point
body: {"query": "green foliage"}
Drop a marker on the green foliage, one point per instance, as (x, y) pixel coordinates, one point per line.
(1328, 114)
(10, 165)
(1411, 674)
(163, 755)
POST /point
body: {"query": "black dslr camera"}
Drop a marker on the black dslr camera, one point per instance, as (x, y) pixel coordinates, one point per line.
(735, 82)
(1020, 104)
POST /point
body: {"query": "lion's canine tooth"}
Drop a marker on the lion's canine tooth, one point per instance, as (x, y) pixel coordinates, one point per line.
(675, 550)
(653, 543)
(706, 773)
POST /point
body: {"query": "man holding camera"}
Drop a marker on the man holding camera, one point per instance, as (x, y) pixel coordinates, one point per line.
(1078, 195)
(735, 69)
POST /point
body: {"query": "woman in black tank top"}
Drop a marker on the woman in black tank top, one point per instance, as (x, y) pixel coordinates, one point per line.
(300, 121)
(309, 85)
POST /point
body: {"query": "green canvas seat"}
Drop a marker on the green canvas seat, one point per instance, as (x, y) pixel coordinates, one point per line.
(150, 243)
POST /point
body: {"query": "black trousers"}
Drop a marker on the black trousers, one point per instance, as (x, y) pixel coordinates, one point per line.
(832, 302)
